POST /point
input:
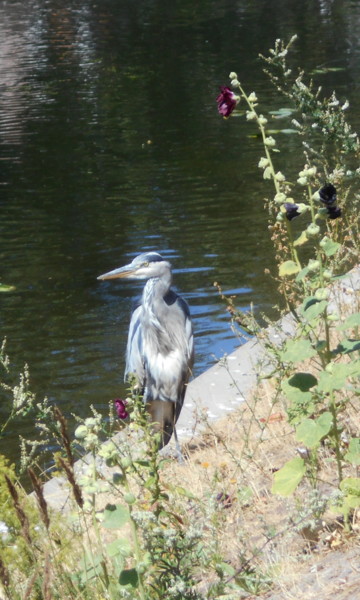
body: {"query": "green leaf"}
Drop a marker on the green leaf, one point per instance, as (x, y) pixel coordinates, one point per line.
(300, 241)
(311, 432)
(129, 577)
(302, 381)
(288, 477)
(312, 307)
(329, 246)
(289, 267)
(351, 486)
(353, 454)
(120, 546)
(335, 375)
(297, 350)
(350, 323)
(281, 113)
(347, 346)
(115, 516)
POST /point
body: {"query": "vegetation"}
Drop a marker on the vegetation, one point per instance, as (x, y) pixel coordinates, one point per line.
(278, 481)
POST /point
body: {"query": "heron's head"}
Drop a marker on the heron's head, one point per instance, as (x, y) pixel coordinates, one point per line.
(144, 266)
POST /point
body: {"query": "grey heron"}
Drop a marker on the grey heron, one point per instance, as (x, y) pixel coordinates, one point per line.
(160, 346)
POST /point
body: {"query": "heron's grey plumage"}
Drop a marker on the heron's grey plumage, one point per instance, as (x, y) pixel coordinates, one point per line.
(160, 349)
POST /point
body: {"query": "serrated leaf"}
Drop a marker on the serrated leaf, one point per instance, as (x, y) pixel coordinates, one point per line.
(129, 577)
(297, 350)
(311, 432)
(115, 516)
(289, 267)
(288, 477)
(300, 241)
(351, 322)
(330, 247)
(353, 454)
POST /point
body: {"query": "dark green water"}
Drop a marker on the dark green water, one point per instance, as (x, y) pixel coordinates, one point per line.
(110, 144)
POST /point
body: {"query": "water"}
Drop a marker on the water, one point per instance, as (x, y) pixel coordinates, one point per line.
(110, 144)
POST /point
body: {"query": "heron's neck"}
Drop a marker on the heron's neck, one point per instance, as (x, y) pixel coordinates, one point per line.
(154, 291)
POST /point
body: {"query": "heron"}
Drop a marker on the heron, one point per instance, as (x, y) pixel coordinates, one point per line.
(160, 346)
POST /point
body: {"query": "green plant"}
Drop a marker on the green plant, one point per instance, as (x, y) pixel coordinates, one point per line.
(316, 368)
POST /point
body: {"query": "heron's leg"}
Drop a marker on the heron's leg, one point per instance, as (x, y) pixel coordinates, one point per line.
(180, 456)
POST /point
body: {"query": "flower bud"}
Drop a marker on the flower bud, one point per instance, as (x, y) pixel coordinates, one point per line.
(280, 198)
(129, 498)
(302, 180)
(279, 176)
(250, 115)
(262, 120)
(269, 141)
(81, 432)
(263, 162)
(252, 97)
(233, 75)
(312, 230)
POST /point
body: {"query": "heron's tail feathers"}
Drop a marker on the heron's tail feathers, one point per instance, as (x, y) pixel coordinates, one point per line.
(163, 416)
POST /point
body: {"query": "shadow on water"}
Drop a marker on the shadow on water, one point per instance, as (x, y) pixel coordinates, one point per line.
(110, 144)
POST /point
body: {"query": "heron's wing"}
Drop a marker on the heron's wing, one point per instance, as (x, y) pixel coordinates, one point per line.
(186, 347)
(134, 352)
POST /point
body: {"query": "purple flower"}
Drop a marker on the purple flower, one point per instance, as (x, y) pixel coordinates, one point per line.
(328, 194)
(291, 210)
(226, 101)
(120, 408)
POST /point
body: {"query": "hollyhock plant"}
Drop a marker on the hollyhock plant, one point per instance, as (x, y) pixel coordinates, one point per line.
(120, 408)
(227, 101)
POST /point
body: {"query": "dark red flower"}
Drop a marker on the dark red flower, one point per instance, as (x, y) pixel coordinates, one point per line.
(334, 212)
(227, 101)
(291, 210)
(120, 408)
(328, 194)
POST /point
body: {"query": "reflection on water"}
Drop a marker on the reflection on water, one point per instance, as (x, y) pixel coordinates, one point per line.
(110, 144)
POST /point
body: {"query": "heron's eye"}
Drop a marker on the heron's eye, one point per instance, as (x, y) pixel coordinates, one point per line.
(145, 264)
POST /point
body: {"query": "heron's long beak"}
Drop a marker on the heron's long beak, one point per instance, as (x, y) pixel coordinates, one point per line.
(123, 272)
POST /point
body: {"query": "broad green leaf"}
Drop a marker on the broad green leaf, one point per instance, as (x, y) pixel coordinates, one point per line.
(351, 486)
(302, 381)
(129, 577)
(115, 516)
(351, 322)
(312, 308)
(288, 477)
(289, 267)
(353, 454)
(347, 346)
(335, 375)
(311, 432)
(297, 350)
(329, 246)
(300, 241)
